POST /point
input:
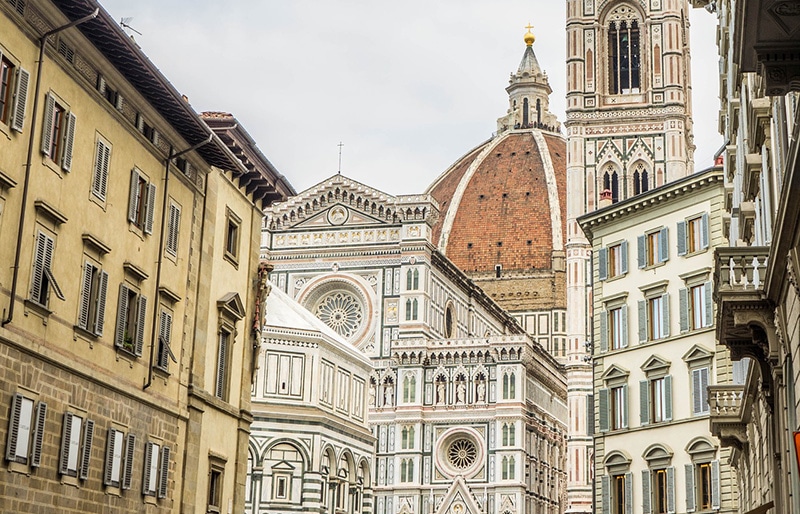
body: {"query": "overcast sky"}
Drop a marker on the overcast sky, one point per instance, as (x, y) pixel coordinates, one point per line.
(408, 87)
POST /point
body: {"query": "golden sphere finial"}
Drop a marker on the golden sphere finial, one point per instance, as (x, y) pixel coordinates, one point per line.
(529, 37)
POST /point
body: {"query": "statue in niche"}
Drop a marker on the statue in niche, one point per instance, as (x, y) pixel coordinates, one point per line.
(481, 391)
(372, 394)
(461, 392)
(388, 395)
(441, 392)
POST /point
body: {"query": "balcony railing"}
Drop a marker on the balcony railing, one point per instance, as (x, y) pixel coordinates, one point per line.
(729, 413)
(741, 268)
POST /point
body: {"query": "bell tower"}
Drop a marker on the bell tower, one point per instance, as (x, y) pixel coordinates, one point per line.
(629, 130)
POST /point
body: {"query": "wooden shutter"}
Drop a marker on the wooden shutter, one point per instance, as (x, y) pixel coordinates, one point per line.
(165, 333)
(663, 245)
(133, 198)
(603, 331)
(665, 315)
(172, 229)
(221, 365)
(624, 256)
(127, 468)
(122, 316)
(163, 472)
(704, 231)
(682, 238)
(151, 207)
(716, 500)
(69, 140)
(38, 434)
(66, 436)
(628, 493)
(100, 179)
(47, 127)
(141, 315)
(100, 311)
(623, 314)
(624, 406)
(13, 427)
(590, 414)
(644, 402)
(20, 100)
(602, 264)
(704, 390)
(697, 406)
(689, 478)
(605, 493)
(646, 491)
(641, 251)
(38, 267)
(148, 461)
(708, 292)
(86, 449)
(86, 296)
(108, 467)
(670, 490)
(605, 409)
(683, 307)
(668, 397)
(642, 321)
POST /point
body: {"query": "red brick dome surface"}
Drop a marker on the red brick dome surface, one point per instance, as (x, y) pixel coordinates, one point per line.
(504, 214)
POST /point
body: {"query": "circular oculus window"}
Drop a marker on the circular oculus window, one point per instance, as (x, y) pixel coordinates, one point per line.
(341, 311)
(460, 451)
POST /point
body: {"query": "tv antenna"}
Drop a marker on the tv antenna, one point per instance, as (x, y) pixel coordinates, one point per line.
(125, 24)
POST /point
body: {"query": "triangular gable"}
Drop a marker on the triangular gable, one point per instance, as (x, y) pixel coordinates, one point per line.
(338, 215)
(615, 372)
(231, 305)
(459, 494)
(698, 353)
(655, 363)
(639, 144)
(357, 197)
(283, 466)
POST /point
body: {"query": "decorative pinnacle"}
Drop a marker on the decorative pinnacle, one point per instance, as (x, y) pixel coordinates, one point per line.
(529, 37)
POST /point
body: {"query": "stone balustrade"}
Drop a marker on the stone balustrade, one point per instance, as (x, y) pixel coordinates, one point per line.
(741, 268)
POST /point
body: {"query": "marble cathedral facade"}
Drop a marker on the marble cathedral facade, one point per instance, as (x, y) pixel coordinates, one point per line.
(469, 413)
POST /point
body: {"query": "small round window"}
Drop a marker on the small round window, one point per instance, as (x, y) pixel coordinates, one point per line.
(462, 454)
(460, 451)
(341, 311)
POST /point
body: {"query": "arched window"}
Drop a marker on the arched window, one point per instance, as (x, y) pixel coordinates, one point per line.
(614, 187)
(408, 310)
(407, 437)
(505, 434)
(538, 111)
(511, 434)
(412, 280)
(409, 276)
(409, 389)
(525, 108)
(416, 279)
(641, 183)
(415, 309)
(406, 470)
(508, 468)
(623, 56)
(509, 383)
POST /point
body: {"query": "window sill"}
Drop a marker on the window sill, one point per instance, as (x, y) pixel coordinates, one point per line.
(53, 165)
(615, 277)
(38, 309)
(231, 258)
(80, 332)
(654, 266)
(126, 355)
(5, 129)
(97, 200)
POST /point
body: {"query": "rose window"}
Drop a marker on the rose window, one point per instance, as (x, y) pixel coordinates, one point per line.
(342, 312)
(462, 454)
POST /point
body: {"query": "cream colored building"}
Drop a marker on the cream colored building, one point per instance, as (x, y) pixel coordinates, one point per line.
(311, 447)
(128, 290)
(656, 354)
(757, 275)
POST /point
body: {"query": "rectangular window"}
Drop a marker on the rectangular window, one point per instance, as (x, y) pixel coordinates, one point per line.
(700, 303)
(26, 431)
(618, 408)
(653, 248)
(700, 391)
(58, 132)
(91, 310)
(215, 490)
(659, 491)
(76, 446)
(173, 226)
(141, 202)
(7, 72)
(704, 486)
(43, 280)
(14, 82)
(115, 447)
(617, 260)
(131, 316)
(222, 378)
(164, 340)
(156, 470)
(693, 235)
(693, 231)
(658, 400)
(619, 494)
(616, 330)
(232, 237)
(281, 487)
(654, 318)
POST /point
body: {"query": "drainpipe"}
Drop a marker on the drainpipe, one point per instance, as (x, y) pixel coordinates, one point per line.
(167, 162)
(21, 227)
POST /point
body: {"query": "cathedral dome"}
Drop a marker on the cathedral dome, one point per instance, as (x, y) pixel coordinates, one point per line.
(504, 204)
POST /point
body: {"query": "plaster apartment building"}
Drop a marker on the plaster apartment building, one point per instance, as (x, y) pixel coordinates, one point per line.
(756, 284)
(656, 353)
(125, 347)
(311, 446)
(468, 412)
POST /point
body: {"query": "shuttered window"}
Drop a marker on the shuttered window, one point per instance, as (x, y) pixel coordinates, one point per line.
(141, 202)
(91, 310)
(653, 248)
(613, 261)
(693, 235)
(42, 278)
(76, 446)
(173, 226)
(150, 470)
(700, 391)
(164, 340)
(26, 430)
(131, 315)
(127, 462)
(223, 356)
(14, 82)
(58, 132)
(112, 472)
(102, 161)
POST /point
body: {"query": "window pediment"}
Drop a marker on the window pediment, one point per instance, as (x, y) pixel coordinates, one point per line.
(658, 455)
(615, 373)
(698, 356)
(656, 365)
(231, 305)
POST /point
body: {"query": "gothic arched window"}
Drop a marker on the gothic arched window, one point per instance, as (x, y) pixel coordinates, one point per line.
(525, 109)
(611, 183)
(624, 57)
(641, 183)
(409, 389)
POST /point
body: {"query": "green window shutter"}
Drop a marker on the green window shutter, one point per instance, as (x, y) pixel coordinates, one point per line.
(644, 402)
(663, 245)
(715, 489)
(69, 139)
(671, 490)
(47, 128)
(605, 406)
(704, 235)
(623, 312)
(642, 321)
(682, 238)
(624, 257)
(66, 437)
(628, 493)
(665, 315)
(683, 307)
(20, 100)
(668, 397)
(640, 246)
(38, 267)
(163, 472)
(708, 292)
(697, 406)
(646, 492)
(690, 502)
(590, 414)
(603, 331)
(624, 406)
(602, 264)
(605, 494)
